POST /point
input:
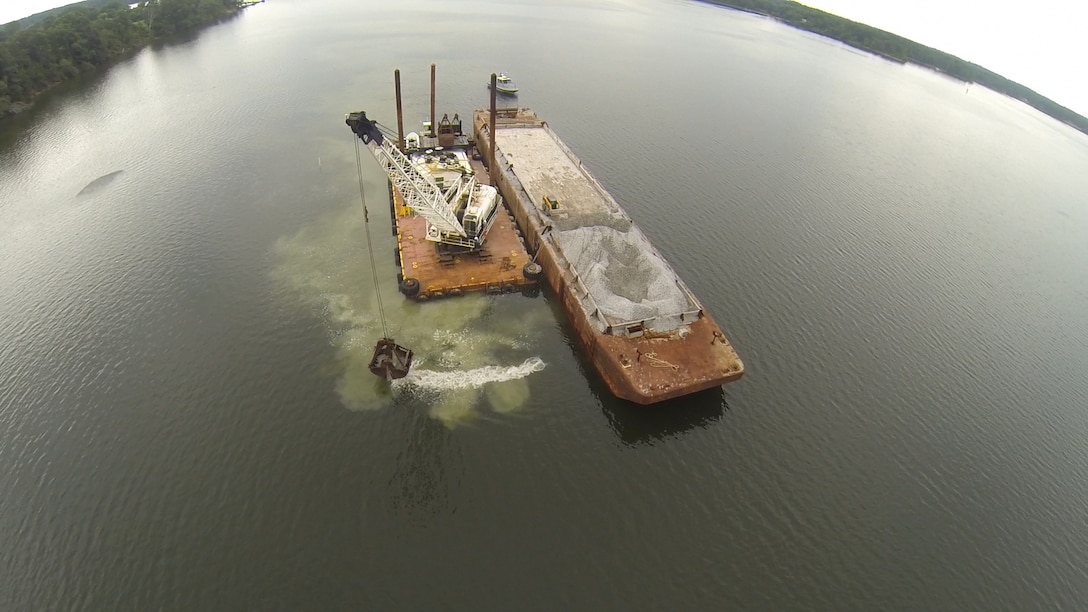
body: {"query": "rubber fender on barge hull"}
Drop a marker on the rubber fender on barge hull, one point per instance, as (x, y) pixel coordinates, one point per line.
(409, 287)
(532, 270)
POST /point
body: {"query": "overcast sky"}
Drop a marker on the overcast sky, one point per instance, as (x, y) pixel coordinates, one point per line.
(1041, 44)
(12, 10)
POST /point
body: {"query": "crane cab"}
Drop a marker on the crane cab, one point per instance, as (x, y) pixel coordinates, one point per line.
(480, 213)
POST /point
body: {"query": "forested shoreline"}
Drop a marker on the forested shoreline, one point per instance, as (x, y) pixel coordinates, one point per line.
(40, 52)
(897, 48)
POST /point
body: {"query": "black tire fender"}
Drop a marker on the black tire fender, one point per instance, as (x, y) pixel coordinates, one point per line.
(409, 287)
(532, 270)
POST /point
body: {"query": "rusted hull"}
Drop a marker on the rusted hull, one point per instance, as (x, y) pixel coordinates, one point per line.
(647, 369)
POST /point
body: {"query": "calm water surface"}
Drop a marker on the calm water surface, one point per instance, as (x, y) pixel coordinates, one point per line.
(186, 421)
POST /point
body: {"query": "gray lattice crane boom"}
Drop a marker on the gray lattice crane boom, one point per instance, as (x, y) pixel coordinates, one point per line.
(418, 188)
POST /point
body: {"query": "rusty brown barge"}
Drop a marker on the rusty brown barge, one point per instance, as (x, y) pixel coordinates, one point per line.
(647, 336)
(640, 326)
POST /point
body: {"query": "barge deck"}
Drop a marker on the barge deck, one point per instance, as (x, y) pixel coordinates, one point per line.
(496, 268)
(645, 333)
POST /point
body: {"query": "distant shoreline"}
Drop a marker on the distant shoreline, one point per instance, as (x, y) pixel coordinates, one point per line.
(895, 48)
(104, 32)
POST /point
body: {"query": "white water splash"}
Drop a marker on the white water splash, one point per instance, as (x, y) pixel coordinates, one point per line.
(469, 379)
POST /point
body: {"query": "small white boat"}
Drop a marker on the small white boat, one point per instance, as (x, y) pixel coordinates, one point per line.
(504, 84)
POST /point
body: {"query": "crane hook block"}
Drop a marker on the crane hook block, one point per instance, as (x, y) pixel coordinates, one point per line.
(366, 129)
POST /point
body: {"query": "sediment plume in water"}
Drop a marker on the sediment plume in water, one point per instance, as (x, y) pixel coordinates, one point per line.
(466, 358)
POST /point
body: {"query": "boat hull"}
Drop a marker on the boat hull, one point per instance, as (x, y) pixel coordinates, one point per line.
(645, 368)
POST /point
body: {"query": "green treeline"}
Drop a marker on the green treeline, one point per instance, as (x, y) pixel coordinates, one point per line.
(900, 49)
(74, 40)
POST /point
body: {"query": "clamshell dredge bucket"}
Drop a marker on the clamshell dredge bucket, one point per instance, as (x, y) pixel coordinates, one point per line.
(391, 360)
